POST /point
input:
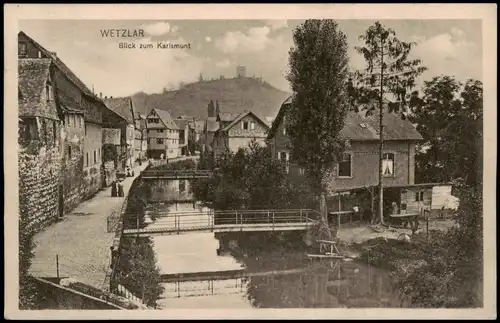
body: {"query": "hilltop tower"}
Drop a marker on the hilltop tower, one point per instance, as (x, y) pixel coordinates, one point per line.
(241, 71)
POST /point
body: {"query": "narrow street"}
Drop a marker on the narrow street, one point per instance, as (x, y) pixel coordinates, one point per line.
(80, 241)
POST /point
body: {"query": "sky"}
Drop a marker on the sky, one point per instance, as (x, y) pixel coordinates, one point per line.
(216, 47)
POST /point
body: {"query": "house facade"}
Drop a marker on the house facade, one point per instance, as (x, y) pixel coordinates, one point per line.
(163, 135)
(80, 110)
(184, 135)
(131, 142)
(359, 168)
(236, 131)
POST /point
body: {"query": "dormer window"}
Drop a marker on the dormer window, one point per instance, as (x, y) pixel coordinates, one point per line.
(23, 49)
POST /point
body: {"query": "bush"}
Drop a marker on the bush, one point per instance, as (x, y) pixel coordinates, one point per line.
(445, 272)
(250, 179)
(138, 271)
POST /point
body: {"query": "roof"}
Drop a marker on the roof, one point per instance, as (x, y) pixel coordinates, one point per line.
(181, 123)
(32, 77)
(121, 106)
(65, 69)
(359, 127)
(211, 124)
(241, 116)
(166, 118)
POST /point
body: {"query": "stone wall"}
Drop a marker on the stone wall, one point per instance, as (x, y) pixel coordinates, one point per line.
(39, 178)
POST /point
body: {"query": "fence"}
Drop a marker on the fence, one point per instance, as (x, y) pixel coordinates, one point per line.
(122, 291)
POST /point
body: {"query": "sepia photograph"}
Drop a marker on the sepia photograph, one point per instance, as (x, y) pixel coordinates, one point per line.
(236, 164)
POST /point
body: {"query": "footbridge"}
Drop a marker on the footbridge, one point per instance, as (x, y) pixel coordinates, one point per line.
(226, 221)
(176, 174)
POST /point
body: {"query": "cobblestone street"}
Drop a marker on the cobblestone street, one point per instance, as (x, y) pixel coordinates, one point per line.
(80, 240)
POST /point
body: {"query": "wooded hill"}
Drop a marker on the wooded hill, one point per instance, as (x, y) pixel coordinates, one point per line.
(234, 95)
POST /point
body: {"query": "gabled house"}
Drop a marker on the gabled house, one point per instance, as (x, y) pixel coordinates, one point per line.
(81, 180)
(131, 131)
(236, 131)
(163, 135)
(359, 168)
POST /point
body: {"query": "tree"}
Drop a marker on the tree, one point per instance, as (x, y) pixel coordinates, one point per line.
(449, 116)
(386, 82)
(318, 74)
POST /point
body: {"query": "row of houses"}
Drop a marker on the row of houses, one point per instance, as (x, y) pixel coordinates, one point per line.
(71, 141)
(355, 178)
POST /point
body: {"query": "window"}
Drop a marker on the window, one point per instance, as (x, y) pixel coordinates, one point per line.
(159, 141)
(301, 171)
(419, 196)
(182, 185)
(244, 125)
(345, 165)
(388, 164)
(284, 126)
(81, 121)
(160, 130)
(85, 129)
(99, 154)
(252, 125)
(27, 131)
(147, 140)
(73, 119)
(69, 152)
(95, 156)
(23, 49)
(54, 132)
(48, 92)
(87, 159)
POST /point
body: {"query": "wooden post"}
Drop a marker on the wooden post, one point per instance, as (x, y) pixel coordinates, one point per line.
(338, 215)
(57, 265)
(427, 225)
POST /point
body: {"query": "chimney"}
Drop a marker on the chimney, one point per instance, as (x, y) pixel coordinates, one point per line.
(100, 95)
(111, 97)
(105, 96)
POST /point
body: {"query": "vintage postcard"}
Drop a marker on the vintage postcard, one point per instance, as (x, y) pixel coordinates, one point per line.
(250, 161)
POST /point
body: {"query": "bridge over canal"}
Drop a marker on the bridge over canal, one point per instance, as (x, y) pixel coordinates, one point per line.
(227, 221)
(176, 174)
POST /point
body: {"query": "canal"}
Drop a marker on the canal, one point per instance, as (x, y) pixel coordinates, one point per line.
(266, 278)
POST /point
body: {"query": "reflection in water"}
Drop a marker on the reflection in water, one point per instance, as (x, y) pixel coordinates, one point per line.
(302, 283)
